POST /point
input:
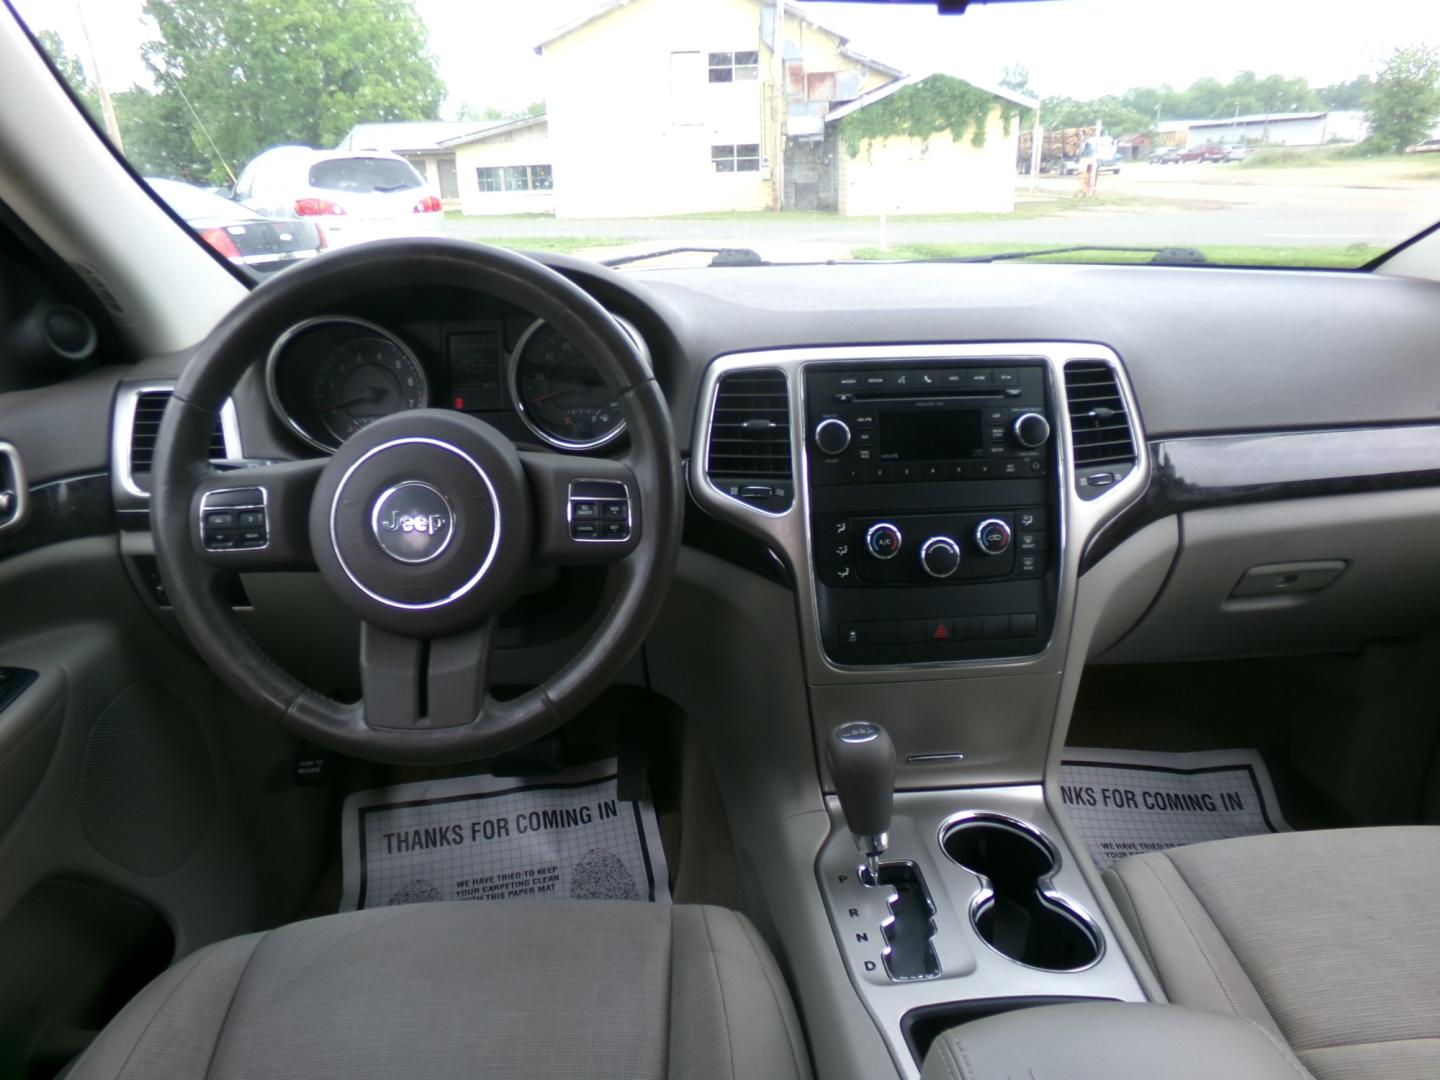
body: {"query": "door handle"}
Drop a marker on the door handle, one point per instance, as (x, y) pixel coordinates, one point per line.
(14, 492)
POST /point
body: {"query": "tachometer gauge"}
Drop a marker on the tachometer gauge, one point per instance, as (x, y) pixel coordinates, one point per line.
(332, 376)
(559, 394)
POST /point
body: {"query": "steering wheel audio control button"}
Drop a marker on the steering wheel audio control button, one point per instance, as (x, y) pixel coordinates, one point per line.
(234, 519)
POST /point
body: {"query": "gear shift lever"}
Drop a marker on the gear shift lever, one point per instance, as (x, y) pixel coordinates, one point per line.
(862, 762)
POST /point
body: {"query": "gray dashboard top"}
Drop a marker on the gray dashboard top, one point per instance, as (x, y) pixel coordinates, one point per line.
(1208, 350)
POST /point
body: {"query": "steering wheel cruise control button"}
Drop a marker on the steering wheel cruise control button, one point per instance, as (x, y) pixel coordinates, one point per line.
(599, 511)
(883, 540)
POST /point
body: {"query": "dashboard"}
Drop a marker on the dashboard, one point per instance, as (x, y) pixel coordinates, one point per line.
(330, 376)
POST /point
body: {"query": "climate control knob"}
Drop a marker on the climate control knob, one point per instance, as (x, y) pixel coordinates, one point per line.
(882, 540)
(940, 556)
(992, 536)
(1031, 430)
(832, 436)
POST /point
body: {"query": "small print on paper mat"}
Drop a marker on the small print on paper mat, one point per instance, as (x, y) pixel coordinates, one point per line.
(563, 836)
(1124, 802)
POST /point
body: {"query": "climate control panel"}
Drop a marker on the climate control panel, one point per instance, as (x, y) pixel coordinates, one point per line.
(931, 549)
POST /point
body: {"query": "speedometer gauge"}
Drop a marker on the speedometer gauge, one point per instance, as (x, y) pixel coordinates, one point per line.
(332, 376)
(366, 378)
(559, 393)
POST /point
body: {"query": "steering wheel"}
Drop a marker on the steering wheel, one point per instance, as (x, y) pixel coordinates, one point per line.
(425, 523)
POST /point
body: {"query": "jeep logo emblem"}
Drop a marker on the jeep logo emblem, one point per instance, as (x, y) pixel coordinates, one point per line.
(412, 522)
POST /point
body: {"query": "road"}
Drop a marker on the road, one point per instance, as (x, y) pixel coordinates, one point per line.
(1159, 206)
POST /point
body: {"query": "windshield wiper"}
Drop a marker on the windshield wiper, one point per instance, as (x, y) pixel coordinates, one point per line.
(1160, 256)
(724, 256)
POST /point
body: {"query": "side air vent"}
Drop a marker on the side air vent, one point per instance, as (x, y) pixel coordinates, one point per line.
(748, 457)
(1103, 440)
(138, 412)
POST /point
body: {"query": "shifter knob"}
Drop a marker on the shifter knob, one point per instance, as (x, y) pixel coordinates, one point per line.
(862, 763)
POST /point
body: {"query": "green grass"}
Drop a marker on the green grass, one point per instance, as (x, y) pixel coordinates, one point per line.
(559, 244)
(1359, 155)
(1024, 209)
(1341, 258)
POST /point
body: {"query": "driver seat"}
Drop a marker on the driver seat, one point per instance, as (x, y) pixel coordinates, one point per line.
(555, 989)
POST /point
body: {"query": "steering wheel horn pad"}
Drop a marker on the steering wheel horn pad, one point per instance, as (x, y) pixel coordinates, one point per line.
(421, 523)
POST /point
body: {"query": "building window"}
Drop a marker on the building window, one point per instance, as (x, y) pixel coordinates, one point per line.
(742, 158)
(515, 178)
(734, 66)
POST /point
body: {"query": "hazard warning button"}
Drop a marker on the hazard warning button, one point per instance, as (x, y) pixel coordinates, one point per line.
(939, 629)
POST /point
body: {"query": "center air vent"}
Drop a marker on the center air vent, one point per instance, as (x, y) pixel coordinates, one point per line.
(145, 430)
(748, 457)
(1100, 431)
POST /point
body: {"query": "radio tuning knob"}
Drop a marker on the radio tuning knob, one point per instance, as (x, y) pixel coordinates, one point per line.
(832, 436)
(1031, 430)
(940, 556)
(992, 536)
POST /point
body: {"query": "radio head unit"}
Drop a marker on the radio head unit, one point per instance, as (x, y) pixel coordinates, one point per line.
(933, 512)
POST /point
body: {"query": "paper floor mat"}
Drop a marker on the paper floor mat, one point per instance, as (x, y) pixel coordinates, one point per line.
(1123, 802)
(563, 836)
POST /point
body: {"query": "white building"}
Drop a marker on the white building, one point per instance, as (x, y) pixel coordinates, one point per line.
(1277, 129)
(508, 168)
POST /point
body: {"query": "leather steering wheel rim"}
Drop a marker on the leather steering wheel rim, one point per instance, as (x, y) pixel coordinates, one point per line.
(181, 471)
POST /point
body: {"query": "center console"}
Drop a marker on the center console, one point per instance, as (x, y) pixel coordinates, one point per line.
(933, 515)
(930, 504)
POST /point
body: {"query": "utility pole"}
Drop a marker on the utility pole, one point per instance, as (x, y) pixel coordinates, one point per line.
(778, 97)
(107, 107)
(1036, 134)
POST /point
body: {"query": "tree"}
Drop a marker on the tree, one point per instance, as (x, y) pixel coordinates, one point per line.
(72, 71)
(1354, 94)
(1112, 112)
(490, 112)
(257, 73)
(1405, 103)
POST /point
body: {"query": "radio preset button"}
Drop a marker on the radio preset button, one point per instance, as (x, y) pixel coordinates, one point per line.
(992, 536)
(1031, 430)
(832, 436)
(940, 556)
(883, 540)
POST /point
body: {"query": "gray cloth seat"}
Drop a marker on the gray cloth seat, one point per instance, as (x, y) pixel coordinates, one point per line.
(1329, 939)
(431, 991)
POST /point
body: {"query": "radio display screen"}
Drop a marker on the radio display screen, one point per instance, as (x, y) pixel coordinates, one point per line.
(936, 435)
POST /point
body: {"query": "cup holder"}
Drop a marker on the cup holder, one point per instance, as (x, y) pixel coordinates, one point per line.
(1018, 913)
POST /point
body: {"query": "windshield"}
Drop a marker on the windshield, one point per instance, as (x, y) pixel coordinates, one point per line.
(1298, 133)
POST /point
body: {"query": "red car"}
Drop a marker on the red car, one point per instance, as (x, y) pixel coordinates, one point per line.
(1203, 154)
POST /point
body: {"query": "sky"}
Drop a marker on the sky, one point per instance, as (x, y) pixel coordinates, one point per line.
(1077, 48)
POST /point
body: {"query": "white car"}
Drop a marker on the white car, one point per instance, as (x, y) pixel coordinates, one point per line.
(352, 196)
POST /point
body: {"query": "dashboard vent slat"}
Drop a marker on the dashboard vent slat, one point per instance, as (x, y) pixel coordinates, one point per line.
(749, 440)
(1100, 429)
(145, 431)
